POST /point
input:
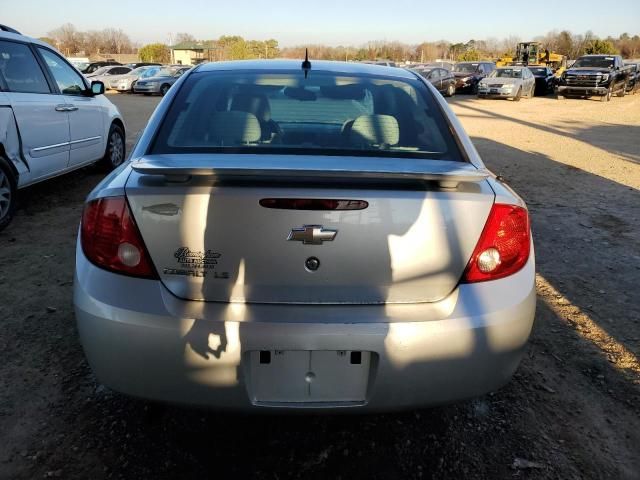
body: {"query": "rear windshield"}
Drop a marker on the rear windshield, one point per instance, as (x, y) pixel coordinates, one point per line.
(324, 114)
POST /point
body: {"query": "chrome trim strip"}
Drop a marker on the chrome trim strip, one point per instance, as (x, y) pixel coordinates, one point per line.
(89, 139)
(40, 149)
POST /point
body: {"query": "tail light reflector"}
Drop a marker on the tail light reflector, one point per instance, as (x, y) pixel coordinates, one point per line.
(504, 246)
(111, 240)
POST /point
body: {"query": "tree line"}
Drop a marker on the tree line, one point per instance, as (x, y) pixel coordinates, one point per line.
(72, 41)
(564, 43)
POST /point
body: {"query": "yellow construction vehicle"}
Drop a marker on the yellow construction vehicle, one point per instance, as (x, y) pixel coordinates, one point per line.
(532, 53)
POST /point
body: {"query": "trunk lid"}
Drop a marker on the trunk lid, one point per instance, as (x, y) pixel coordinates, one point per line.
(210, 238)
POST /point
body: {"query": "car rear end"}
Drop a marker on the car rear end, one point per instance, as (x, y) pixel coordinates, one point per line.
(146, 86)
(305, 240)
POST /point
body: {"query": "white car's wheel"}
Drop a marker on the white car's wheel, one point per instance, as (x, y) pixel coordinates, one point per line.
(116, 149)
(8, 189)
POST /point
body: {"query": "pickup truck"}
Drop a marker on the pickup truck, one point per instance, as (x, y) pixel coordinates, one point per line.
(594, 75)
(52, 119)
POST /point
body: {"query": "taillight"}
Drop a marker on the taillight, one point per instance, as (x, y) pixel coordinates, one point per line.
(111, 240)
(504, 245)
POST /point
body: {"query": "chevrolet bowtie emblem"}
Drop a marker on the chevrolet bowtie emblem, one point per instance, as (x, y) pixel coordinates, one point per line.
(312, 235)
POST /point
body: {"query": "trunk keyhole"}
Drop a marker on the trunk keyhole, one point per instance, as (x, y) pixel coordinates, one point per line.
(312, 264)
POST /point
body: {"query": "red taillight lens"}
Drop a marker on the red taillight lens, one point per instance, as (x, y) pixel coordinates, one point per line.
(504, 245)
(111, 240)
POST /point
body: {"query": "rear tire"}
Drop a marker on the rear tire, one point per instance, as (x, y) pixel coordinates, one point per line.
(164, 89)
(623, 91)
(8, 194)
(116, 148)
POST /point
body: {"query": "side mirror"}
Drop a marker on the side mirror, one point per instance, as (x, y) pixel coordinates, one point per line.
(97, 87)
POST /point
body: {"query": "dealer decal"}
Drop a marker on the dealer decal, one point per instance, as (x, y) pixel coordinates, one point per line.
(196, 263)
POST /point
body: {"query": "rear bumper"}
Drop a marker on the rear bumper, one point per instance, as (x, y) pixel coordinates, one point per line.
(146, 88)
(142, 341)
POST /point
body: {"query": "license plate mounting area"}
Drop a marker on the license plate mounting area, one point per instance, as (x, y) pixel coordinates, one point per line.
(308, 376)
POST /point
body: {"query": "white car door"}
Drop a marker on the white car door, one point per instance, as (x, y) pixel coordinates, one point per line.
(86, 112)
(42, 120)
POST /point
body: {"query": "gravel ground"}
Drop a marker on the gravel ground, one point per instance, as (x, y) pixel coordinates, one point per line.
(571, 411)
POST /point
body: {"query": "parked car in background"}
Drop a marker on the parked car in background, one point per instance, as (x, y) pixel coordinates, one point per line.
(80, 66)
(405, 269)
(161, 82)
(105, 74)
(383, 63)
(52, 119)
(443, 80)
(633, 80)
(469, 74)
(594, 75)
(508, 82)
(79, 62)
(125, 83)
(143, 64)
(446, 65)
(93, 66)
(545, 80)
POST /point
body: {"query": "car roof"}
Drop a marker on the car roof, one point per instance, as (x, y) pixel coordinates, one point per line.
(354, 68)
(6, 35)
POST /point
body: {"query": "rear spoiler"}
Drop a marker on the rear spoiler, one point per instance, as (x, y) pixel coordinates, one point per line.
(305, 167)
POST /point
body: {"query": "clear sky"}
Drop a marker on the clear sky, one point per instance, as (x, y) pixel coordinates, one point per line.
(333, 22)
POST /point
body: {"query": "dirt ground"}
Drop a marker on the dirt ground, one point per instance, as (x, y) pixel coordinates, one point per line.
(571, 411)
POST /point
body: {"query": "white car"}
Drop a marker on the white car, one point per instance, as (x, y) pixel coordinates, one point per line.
(109, 73)
(52, 119)
(125, 83)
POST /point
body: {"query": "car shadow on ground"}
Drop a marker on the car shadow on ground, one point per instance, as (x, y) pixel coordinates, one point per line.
(619, 139)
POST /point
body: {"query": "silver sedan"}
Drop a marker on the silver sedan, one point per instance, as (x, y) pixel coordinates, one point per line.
(508, 82)
(125, 83)
(160, 82)
(314, 235)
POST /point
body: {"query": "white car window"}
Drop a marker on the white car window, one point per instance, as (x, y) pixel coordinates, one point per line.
(20, 69)
(68, 80)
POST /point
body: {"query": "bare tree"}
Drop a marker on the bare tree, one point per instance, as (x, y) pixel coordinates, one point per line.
(508, 45)
(67, 38)
(184, 37)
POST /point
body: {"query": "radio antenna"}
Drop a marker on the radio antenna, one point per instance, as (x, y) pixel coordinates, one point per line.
(306, 65)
